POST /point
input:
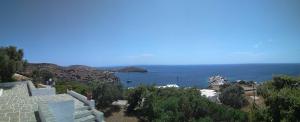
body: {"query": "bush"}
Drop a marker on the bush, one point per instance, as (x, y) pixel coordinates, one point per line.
(178, 105)
(259, 115)
(42, 75)
(265, 89)
(105, 92)
(285, 105)
(62, 86)
(233, 96)
(282, 98)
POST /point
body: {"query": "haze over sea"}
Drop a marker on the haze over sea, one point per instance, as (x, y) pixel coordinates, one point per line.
(197, 75)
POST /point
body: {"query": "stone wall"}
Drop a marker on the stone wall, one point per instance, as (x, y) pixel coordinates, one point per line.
(40, 91)
(91, 103)
(82, 98)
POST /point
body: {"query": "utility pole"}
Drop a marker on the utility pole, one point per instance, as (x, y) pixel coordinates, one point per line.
(253, 93)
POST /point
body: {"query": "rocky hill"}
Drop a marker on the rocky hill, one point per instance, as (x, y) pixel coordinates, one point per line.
(132, 69)
(71, 73)
(124, 69)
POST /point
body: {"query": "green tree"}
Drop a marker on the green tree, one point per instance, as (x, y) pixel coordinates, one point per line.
(11, 61)
(284, 105)
(178, 105)
(42, 75)
(282, 99)
(233, 96)
(135, 98)
(105, 92)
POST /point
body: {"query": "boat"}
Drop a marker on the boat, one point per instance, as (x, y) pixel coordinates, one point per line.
(129, 81)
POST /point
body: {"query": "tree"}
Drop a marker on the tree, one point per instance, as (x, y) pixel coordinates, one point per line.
(135, 98)
(42, 75)
(178, 105)
(11, 61)
(233, 96)
(282, 98)
(105, 92)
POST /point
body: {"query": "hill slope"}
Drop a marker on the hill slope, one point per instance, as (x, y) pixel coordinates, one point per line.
(71, 73)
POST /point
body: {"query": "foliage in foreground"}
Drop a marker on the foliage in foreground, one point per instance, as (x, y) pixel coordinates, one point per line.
(233, 96)
(11, 61)
(105, 92)
(282, 96)
(178, 105)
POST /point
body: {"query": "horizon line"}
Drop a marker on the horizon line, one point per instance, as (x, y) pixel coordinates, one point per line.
(126, 65)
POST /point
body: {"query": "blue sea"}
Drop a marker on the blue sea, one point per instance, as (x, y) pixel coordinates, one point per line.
(197, 75)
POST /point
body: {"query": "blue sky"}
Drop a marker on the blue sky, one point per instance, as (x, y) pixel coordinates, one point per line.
(134, 32)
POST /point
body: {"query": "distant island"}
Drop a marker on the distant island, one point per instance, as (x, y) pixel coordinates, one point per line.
(132, 69)
(129, 69)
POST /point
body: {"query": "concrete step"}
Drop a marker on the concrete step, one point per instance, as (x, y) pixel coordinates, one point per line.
(82, 108)
(90, 118)
(81, 114)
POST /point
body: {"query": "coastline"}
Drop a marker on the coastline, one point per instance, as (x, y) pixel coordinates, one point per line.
(197, 75)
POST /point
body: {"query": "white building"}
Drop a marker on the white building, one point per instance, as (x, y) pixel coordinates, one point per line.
(168, 86)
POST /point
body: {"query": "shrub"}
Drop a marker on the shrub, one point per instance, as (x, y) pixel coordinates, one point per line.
(282, 98)
(42, 75)
(62, 86)
(105, 92)
(179, 105)
(233, 96)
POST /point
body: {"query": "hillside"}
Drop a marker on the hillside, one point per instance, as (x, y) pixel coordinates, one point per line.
(132, 69)
(71, 73)
(124, 69)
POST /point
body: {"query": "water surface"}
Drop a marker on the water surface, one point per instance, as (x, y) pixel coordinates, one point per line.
(197, 75)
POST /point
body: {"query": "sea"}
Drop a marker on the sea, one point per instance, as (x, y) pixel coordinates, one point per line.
(197, 75)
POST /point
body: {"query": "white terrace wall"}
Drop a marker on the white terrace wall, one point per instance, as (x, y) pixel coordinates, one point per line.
(91, 103)
(40, 91)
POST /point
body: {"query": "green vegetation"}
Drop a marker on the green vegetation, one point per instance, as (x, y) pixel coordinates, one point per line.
(11, 61)
(39, 76)
(233, 96)
(282, 96)
(105, 92)
(178, 105)
(62, 86)
(248, 83)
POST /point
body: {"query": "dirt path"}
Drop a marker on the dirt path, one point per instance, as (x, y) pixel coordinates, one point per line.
(121, 117)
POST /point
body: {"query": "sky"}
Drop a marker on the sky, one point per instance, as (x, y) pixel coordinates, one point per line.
(146, 32)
